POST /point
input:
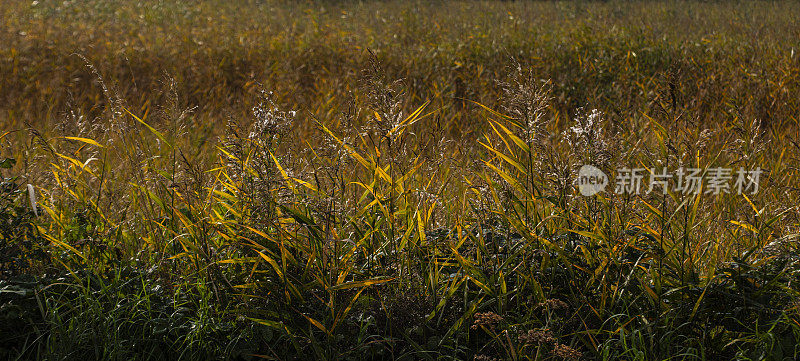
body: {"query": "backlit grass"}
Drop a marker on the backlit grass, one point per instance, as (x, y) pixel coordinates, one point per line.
(395, 180)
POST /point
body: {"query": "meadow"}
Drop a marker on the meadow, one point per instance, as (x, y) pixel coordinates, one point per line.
(376, 180)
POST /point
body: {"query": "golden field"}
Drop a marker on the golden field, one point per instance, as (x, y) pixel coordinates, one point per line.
(396, 180)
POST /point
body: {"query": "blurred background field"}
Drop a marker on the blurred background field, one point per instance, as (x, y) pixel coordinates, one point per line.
(395, 180)
(617, 57)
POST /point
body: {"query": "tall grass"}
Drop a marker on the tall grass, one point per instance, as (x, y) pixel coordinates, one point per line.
(304, 185)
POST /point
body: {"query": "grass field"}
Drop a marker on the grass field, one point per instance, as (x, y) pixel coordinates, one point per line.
(397, 180)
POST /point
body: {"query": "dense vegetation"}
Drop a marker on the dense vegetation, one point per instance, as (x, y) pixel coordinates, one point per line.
(395, 180)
